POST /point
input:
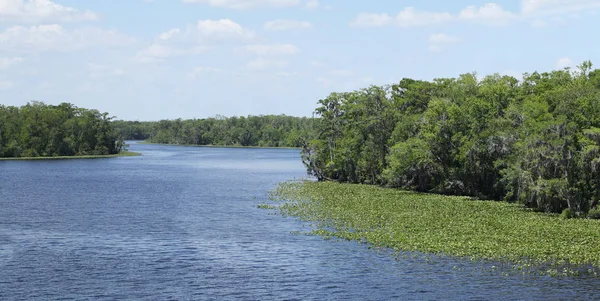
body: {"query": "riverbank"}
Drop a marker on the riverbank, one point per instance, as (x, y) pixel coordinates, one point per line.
(448, 225)
(221, 146)
(122, 154)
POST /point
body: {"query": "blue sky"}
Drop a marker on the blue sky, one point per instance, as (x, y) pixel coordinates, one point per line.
(165, 59)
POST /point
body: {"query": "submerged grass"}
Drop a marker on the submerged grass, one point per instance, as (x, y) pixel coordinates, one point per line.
(122, 154)
(446, 225)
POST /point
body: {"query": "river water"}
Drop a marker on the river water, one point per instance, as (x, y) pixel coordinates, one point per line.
(182, 223)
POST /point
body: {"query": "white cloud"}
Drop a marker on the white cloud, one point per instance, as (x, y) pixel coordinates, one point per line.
(165, 36)
(281, 24)
(489, 13)
(263, 63)
(159, 52)
(222, 29)
(249, 4)
(441, 38)
(408, 17)
(529, 6)
(316, 4)
(201, 37)
(411, 17)
(32, 11)
(245, 4)
(438, 42)
(564, 62)
(312, 4)
(6, 62)
(272, 49)
(372, 20)
(54, 37)
(153, 53)
(557, 6)
(558, 12)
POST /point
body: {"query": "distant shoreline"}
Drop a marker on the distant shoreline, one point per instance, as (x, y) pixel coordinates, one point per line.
(221, 146)
(122, 154)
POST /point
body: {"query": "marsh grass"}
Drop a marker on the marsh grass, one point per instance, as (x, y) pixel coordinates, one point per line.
(506, 236)
(122, 154)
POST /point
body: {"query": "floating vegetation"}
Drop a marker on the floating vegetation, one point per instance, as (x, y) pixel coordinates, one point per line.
(266, 206)
(512, 238)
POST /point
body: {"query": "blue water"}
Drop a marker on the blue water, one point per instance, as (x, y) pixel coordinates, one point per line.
(182, 223)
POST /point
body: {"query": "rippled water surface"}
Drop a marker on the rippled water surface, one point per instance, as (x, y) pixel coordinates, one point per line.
(182, 223)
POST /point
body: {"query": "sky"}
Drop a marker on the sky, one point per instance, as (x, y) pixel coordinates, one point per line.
(165, 59)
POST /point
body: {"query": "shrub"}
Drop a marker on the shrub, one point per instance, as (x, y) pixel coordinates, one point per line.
(594, 213)
(567, 213)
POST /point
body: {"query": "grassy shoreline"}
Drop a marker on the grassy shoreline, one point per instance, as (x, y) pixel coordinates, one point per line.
(445, 225)
(122, 154)
(221, 146)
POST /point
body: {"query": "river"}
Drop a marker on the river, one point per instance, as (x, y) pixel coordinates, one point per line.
(182, 223)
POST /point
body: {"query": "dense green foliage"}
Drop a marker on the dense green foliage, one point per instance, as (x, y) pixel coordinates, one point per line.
(120, 154)
(265, 131)
(40, 130)
(535, 141)
(446, 225)
(134, 130)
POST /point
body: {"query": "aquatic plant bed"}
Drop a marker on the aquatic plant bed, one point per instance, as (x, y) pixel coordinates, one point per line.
(456, 226)
(122, 154)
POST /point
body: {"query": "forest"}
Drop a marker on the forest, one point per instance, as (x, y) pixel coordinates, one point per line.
(534, 141)
(262, 131)
(40, 130)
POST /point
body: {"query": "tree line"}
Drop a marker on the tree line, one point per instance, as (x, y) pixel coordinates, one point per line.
(263, 131)
(535, 141)
(40, 130)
